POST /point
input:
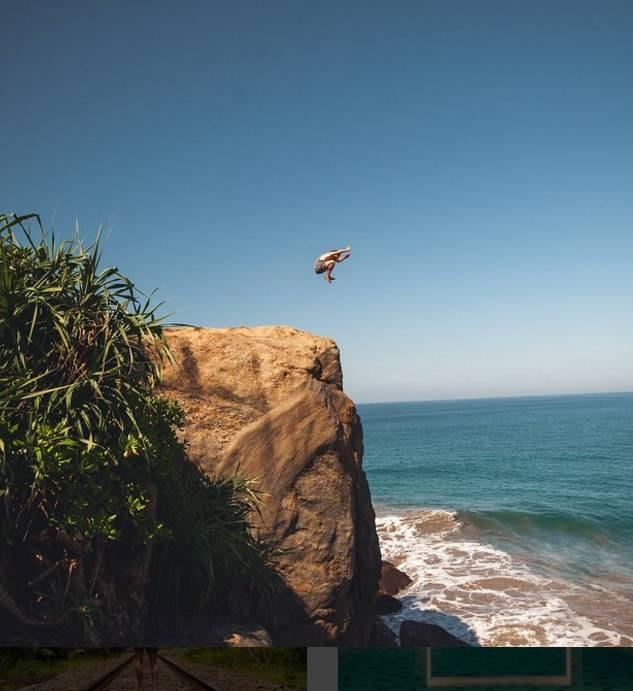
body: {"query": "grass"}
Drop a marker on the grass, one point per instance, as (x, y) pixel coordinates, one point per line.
(285, 666)
(16, 672)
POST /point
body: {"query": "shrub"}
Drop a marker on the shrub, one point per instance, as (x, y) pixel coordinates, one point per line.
(94, 485)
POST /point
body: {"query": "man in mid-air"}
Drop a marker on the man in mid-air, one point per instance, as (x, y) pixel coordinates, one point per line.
(325, 263)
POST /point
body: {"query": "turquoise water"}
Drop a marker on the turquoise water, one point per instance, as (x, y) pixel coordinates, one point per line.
(542, 484)
(404, 669)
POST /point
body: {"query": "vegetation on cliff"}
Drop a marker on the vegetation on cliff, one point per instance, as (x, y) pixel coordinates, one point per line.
(103, 522)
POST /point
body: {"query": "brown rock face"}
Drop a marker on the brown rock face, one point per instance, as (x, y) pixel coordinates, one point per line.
(268, 403)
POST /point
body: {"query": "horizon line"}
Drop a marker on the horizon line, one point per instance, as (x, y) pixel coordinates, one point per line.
(494, 397)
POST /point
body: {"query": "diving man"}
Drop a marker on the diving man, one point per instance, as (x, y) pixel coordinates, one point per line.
(326, 262)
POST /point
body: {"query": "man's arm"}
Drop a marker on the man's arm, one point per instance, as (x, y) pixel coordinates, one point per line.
(344, 253)
(336, 254)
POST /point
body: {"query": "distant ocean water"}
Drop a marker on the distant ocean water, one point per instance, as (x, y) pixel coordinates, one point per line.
(513, 516)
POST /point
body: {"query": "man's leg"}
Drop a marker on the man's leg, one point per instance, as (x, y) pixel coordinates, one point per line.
(138, 668)
(152, 653)
(328, 274)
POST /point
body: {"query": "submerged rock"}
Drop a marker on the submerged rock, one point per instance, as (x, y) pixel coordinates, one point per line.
(268, 403)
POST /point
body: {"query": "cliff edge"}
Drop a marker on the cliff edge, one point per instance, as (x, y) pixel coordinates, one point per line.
(268, 403)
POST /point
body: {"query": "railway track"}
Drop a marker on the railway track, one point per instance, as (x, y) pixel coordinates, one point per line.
(171, 677)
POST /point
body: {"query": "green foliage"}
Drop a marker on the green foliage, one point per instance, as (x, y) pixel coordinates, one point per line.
(210, 546)
(287, 666)
(93, 480)
(20, 667)
(80, 355)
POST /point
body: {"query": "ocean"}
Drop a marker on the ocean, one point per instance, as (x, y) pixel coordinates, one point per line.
(513, 516)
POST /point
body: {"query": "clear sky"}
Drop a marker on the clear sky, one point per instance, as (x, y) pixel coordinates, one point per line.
(477, 156)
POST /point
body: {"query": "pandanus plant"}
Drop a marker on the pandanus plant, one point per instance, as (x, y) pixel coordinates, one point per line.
(93, 479)
(77, 345)
(80, 357)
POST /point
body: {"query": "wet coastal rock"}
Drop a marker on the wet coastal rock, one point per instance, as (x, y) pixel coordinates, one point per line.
(386, 604)
(392, 580)
(382, 636)
(417, 634)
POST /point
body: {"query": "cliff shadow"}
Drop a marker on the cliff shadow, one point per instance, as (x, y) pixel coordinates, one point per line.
(189, 367)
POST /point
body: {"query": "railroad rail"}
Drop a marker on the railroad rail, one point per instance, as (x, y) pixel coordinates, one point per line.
(187, 675)
(103, 681)
(107, 681)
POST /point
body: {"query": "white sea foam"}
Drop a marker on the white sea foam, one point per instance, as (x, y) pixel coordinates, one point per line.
(487, 596)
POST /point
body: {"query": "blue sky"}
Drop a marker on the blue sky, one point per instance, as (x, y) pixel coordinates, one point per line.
(478, 157)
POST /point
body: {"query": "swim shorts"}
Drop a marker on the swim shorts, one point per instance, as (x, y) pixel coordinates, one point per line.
(320, 266)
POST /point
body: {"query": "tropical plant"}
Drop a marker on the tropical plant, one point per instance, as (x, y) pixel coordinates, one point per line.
(211, 546)
(94, 485)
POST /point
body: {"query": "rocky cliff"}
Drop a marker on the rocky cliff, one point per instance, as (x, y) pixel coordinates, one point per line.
(268, 403)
